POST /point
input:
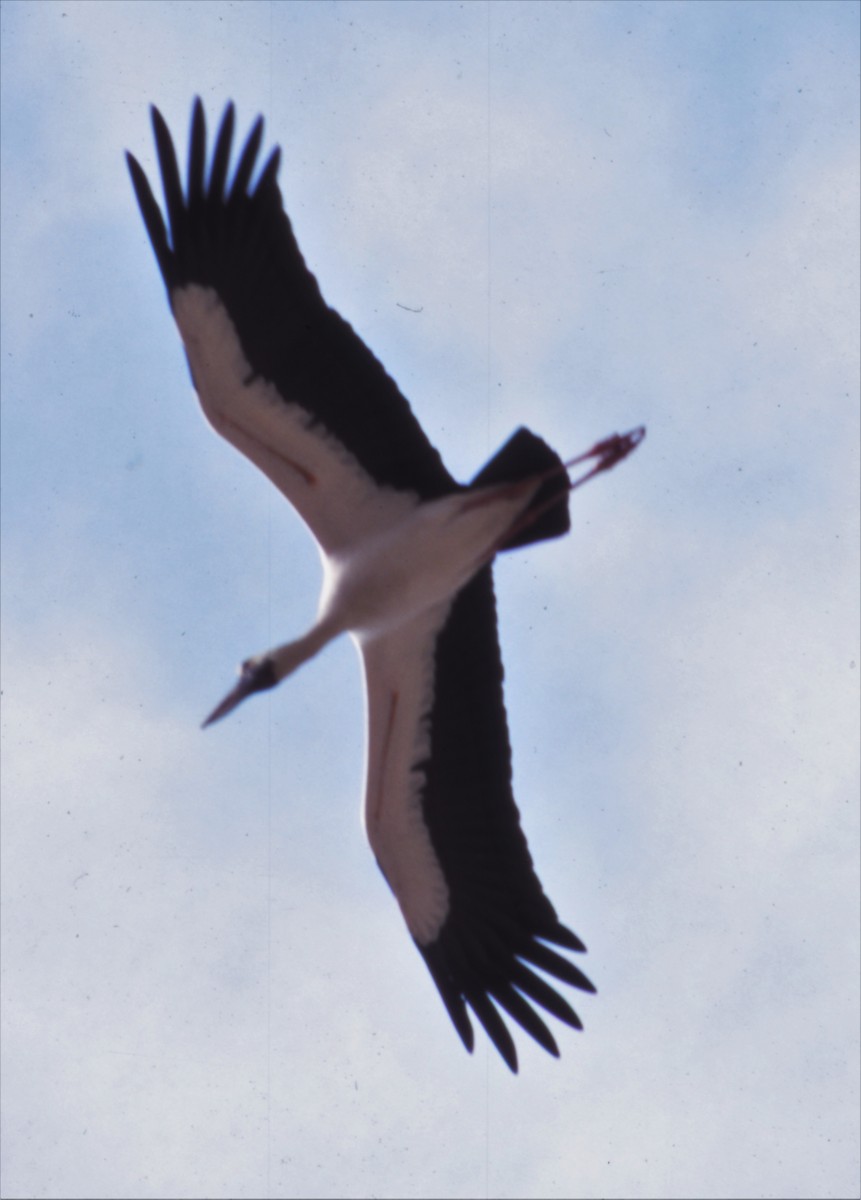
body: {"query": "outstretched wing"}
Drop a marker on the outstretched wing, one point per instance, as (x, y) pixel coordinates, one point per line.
(279, 374)
(441, 818)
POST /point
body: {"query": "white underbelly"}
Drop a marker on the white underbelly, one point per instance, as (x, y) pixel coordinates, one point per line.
(419, 563)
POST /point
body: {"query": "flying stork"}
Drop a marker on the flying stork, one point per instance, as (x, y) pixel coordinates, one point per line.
(406, 553)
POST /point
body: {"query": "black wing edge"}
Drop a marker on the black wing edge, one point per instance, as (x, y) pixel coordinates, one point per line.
(500, 920)
(233, 235)
(204, 229)
(468, 973)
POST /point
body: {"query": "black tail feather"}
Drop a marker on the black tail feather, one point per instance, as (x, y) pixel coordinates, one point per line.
(527, 454)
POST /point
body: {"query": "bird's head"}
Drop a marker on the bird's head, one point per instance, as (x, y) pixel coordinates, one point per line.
(264, 671)
(256, 674)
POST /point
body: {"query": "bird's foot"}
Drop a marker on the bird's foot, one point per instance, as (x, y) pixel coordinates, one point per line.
(608, 452)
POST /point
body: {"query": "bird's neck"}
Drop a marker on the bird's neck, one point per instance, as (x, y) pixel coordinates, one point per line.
(288, 658)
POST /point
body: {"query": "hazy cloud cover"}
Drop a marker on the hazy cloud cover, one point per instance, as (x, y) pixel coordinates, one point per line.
(606, 214)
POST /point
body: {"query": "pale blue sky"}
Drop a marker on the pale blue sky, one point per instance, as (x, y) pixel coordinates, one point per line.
(608, 214)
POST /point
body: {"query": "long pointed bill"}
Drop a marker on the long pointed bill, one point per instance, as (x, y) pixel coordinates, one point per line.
(227, 705)
(254, 676)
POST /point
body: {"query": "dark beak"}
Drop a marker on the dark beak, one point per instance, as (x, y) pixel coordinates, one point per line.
(254, 676)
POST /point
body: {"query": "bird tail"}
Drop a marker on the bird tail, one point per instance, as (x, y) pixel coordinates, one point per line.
(526, 454)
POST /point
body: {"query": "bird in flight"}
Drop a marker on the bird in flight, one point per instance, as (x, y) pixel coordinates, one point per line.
(407, 558)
